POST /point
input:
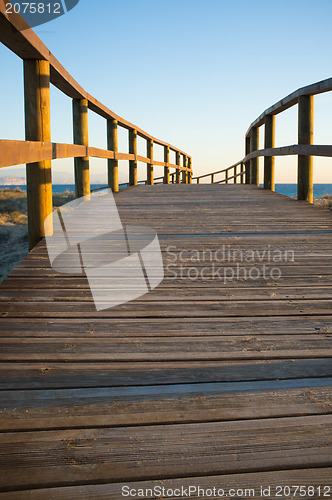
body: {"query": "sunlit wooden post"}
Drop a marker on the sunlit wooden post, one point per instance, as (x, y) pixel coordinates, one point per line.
(254, 161)
(133, 163)
(184, 172)
(226, 176)
(243, 176)
(149, 168)
(269, 161)
(178, 163)
(190, 174)
(112, 145)
(248, 163)
(166, 168)
(38, 128)
(81, 136)
(198, 180)
(235, 174)
(305, 136)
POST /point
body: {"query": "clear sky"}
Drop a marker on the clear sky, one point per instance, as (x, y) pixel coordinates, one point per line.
(192, 73)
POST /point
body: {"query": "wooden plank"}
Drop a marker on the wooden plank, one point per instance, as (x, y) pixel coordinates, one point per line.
(61, 458)
(51, 375)
(167, 349)
(111, 407)
(314, 482)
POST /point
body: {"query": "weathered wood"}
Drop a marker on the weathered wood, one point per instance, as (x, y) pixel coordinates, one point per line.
(245, 364)
(113, 165)
(249, 484)
(163, 404)
(305, 136)
(269, 161)
(247, 163)
(178, 163)
(243, 175)
(254, 145)
(38, 128)
(184, 172)
(166, 168)
(149, 167)
(133, 163)
(60, 458)
(81, 136)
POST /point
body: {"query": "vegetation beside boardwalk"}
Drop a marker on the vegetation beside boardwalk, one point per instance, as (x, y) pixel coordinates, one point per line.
(14, 226)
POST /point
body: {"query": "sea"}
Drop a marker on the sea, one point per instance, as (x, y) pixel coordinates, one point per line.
(286, 189)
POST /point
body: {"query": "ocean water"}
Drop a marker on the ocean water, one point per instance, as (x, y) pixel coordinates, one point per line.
(286, 189)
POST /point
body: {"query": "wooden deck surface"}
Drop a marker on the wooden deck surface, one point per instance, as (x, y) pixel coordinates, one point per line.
(200, 382)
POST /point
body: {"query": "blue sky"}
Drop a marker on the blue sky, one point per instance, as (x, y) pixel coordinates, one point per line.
(192, 73)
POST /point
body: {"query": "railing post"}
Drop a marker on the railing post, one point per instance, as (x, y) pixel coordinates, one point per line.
(112, 145)
(81, 136)
(248, 163)
(254, 162)
(235, 174)
(226, 176)
(166, 168)
(149, 168)
(305, 136)
(198, 180)
(38, 128)
(133, 163)
(184, 172)
(269, 161)
(212, 178)
(243, 176)
(190, 174)
(178, 162)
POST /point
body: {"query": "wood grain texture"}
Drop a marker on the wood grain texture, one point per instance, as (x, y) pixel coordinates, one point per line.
(200, 378)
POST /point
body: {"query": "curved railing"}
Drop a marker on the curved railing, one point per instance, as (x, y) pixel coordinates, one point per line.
(305, 149)
(41, 69)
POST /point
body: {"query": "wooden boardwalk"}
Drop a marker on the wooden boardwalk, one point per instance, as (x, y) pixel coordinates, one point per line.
(201, 382)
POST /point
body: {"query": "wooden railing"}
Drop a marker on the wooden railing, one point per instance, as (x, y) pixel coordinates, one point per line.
(235, 177)
(305, 149)
(41, 69)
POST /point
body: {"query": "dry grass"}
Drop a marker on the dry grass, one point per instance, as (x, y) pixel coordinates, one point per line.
(324, 201)
(13, 226)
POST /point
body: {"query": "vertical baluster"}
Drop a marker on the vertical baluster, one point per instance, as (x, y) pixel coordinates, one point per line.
(184, 172)
(269, 161)
(254, 162)
(112, 145)
(149, 168)
(305, 136)
(133, 163)
(243, 176)
(166, 168)
(81, 136)
(178, 162)
(38, 128)
(248, 163)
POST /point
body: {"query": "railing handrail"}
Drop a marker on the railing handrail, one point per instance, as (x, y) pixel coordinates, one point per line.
(218, 171)
(41, 69)
(24, 42)
(292, 99)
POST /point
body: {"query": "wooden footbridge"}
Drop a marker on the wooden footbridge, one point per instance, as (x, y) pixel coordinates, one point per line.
(218, 379)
